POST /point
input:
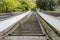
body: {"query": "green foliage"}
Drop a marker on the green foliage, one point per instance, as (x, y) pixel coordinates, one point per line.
(59, 2)
(9, 5)
(45, 4)
(16, 5)
(27, 4)
(43, 23)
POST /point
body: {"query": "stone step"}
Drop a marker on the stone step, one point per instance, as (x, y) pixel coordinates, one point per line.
(31, 34)
(29, 27)
(26, 37)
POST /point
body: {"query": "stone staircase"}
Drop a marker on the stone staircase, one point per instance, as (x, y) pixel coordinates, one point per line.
(29, 30)
(29, 27)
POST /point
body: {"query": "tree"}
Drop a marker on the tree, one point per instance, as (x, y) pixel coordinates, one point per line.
(16, 5)
(45, 4)
(59, 2)
(9, 5)
(27, 4)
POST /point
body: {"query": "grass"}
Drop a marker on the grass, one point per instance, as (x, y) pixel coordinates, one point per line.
(52, 13)
(0, 13)
(43, 23)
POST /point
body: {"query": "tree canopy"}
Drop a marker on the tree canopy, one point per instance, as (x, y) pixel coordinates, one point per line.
(59, 2)
(45, 5)
(16, 5)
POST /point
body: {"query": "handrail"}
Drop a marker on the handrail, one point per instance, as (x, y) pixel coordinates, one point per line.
(51, 20)
(52, 25)
(9, 23)
(55, 23)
